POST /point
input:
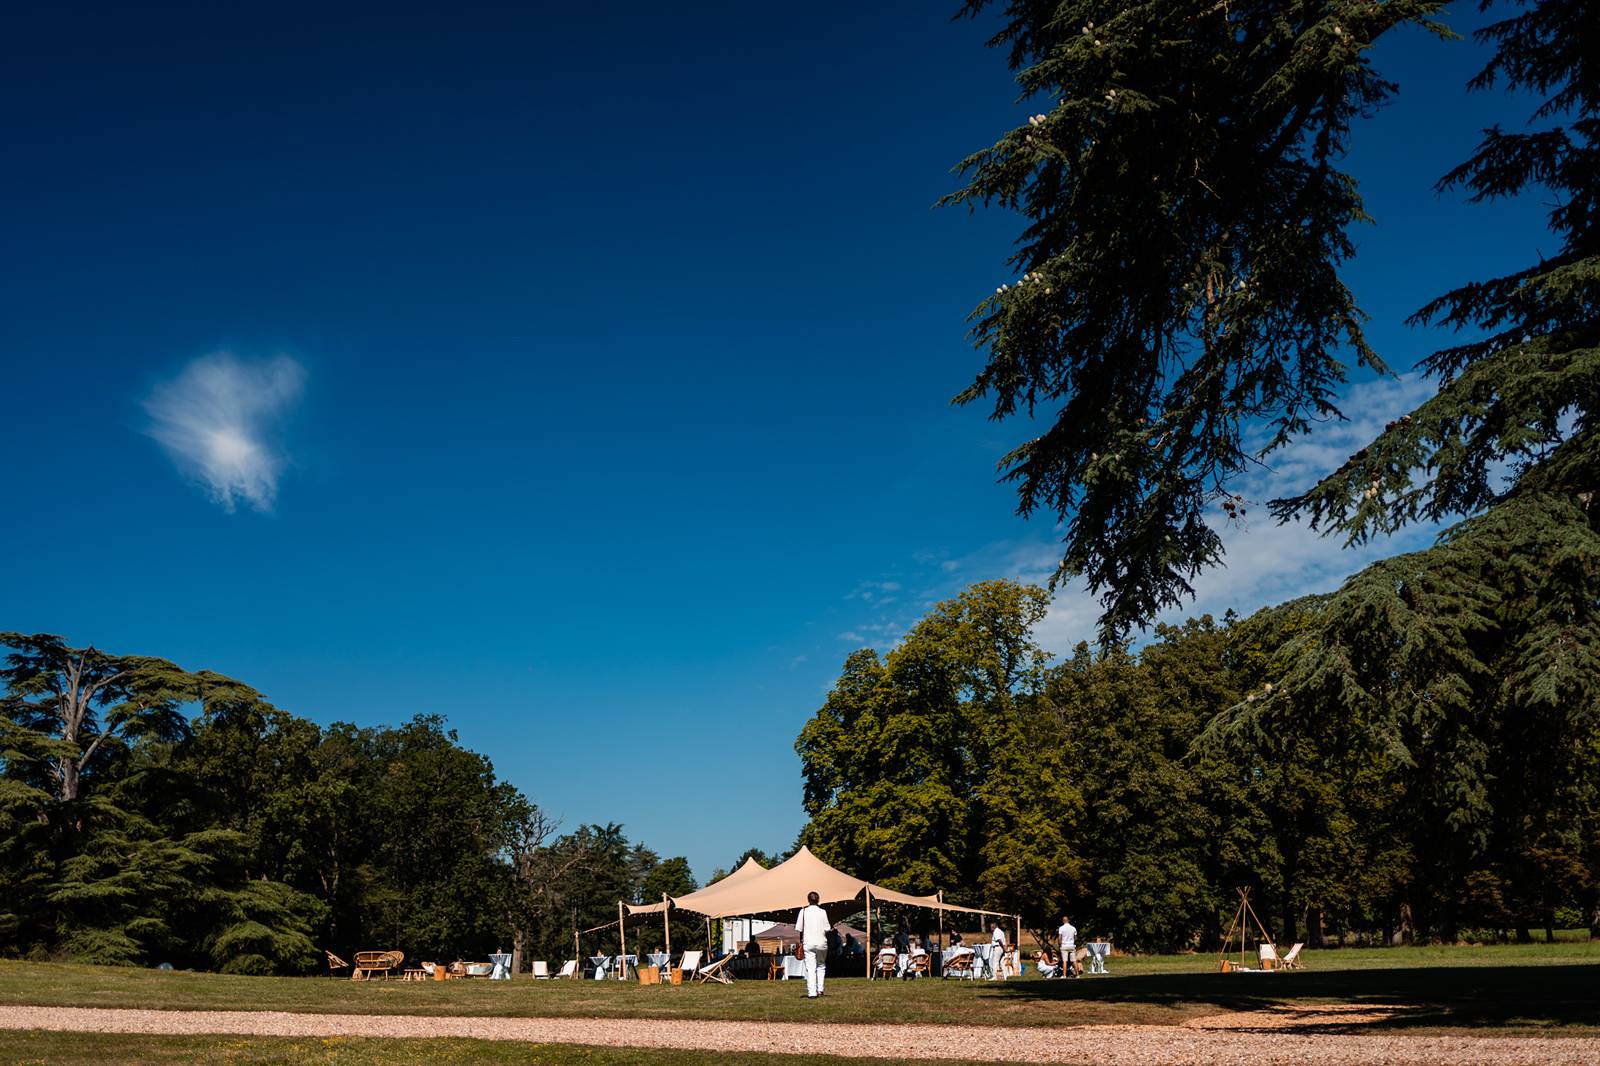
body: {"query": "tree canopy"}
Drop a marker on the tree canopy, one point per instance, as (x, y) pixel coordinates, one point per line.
(153, 814)
(1375, 763)
(1179, 279)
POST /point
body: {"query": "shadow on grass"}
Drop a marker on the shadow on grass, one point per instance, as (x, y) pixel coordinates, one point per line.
(1431, 996)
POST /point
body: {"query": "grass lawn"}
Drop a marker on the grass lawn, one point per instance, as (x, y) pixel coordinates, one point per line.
(54, 1049)
(1543, 987)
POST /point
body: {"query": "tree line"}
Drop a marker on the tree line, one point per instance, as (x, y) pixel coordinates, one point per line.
(1375, 765)
(150, 814)
(1411, 756)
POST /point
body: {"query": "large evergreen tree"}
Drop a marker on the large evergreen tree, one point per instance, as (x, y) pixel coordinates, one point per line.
(1178, 279)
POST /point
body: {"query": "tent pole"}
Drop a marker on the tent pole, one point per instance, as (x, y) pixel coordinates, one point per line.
(1227, 939)
(871, 954)
(622, 931)
(666, 931)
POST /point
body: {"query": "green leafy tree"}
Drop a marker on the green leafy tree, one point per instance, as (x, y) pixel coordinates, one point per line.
(922, 768)
(669, 877)
(1164, 826)
(434, 865)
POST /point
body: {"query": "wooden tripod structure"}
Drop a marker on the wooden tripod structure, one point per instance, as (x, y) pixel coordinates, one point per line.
(1241, 922)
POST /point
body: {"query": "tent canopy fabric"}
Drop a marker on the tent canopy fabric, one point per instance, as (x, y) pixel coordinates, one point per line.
(749, 891)
(748, 869)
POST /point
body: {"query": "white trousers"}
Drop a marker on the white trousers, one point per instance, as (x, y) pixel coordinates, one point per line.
(816, 962)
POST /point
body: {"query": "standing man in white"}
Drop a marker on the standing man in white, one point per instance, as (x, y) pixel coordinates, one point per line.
(999, 961)
(813, 925)
(1069, 944)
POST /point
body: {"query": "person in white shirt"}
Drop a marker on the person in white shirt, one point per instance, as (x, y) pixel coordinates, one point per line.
(1069, 944)
(813, 925)
(1000, 961)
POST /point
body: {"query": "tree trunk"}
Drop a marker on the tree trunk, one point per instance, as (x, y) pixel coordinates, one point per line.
(1313, 927)
(517, 939)
(69, 779)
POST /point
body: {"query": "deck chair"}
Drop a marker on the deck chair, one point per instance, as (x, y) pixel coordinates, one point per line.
(541, 970)
(888, 963)
(335, 962)
(569, 968)
(1291, 958)
(959, 965)
(1269, 957)
(689, 964)
(716, 971)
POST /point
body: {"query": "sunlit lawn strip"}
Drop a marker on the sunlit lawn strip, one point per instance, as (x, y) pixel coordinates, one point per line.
(53, 1049)
(1523, 986)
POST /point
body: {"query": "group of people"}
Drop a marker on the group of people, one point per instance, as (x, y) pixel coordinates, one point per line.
(1064, 962)
(817, 942)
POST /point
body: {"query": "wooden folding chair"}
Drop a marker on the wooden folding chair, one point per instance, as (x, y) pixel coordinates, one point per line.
(541, 970)
(715, 971)
(1291, 958)
(689, 964)
(335, 962)
(569, 968)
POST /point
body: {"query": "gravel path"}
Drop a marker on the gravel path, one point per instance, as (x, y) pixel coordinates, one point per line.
(1217, 1041)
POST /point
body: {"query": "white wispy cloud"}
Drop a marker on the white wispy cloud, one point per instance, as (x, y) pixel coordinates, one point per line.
(218, 421)
(875, 591)
(1265, 562)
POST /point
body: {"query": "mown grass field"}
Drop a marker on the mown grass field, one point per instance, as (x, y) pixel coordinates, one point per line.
(60, 1049)
(1538, 987)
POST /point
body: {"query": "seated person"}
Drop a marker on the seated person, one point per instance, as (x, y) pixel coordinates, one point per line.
(1048, 964)
(752, 948)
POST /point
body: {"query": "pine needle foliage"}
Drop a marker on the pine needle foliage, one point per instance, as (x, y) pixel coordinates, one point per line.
(1518, 400)
(1179, 273)
(1464, 680)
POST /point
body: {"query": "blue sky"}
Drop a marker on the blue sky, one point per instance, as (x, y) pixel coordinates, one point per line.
(578, 372)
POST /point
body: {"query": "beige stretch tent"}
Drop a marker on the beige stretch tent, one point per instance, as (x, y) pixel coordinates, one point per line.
(749, 869)
(754, 890)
